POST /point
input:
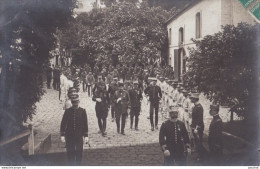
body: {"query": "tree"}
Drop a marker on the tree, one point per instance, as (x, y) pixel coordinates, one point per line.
(26, 38)
(123, 33)
(223, 67)
(168, 4)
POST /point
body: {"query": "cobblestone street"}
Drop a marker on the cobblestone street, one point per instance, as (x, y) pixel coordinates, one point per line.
(139, 147)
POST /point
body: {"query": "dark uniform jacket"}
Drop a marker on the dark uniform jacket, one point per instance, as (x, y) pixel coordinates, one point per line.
(121, 106)
(74, 123)
(215, 133)
(135, 96)
(154, 93)
(101, 107)
(112, 90)
(197, 117)
(174, 135)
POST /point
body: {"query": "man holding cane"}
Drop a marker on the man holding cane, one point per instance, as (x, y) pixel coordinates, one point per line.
(174, 139)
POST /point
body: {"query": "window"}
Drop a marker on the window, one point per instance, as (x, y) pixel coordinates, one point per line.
(181, 36)
(198, 25)
(170, 36)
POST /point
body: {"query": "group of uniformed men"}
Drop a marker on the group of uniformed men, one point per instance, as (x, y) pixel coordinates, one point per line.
(185, 119)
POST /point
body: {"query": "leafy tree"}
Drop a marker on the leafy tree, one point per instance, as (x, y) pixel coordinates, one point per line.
(223, 67)
(26, 38)
(123, 33)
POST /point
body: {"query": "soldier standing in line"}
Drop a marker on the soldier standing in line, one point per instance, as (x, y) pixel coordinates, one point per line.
(122, 100)
(113, 87)
(136, 97)
(174, 139)
(215, 136)
(101, 97)
(197, 124)
(73, 128)
(155, 94)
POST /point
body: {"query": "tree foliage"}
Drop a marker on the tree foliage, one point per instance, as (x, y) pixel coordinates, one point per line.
(26, 38)
(123, 33)
(223, 67)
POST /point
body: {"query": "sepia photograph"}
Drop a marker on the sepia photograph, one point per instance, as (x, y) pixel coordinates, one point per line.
(129, 83)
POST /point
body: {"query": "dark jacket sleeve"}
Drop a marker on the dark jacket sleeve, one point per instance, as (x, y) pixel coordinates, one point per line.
(64, 123)
(85, 123)
(215, 136)
(162, 135)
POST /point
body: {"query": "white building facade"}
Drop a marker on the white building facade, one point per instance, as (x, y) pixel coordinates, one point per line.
(196, 20)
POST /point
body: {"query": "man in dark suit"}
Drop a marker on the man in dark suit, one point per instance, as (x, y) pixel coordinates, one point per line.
(197, 124)
(155, 94)
(136, 97)
(215, 136)
(174, 139)
(73, 129)
(101, 97)
(112, 90)
(122, 101)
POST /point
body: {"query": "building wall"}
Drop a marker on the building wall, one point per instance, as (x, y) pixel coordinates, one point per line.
(236, 13)
(214, 14)
(210, 11)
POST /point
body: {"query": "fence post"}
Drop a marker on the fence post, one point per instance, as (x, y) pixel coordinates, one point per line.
(31, 141)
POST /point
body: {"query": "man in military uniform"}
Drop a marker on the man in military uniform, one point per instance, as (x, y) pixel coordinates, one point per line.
(136, 97)
(174, 139)
(122, 101)
(197, 124)
(101, 97)
(155, 94)
(73, 128)
(215, 136)
(112, 90)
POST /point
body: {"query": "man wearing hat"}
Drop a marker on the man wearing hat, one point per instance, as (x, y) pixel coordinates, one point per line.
(155, 94)
(215, 136)
(99, 80)
(73, 128)
(174, 139)
(197, 123)
(122, 101)
(101, 97)
(136, 97)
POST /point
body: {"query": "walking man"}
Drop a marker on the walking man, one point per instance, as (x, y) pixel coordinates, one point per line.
(155, 94)
(102, 106)
(174, 139)
(215, 136)
(136, 98)
(197, 124)
(73, 129)
(113, 87)
(122, 100)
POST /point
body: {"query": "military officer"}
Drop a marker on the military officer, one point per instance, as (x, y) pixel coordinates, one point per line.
(135, 96)
(174, 139)
(122, 107)
(155, 94)
(173, 101)
(197, 123)
(113, 87)
(215, 136)
(73, 128)
(101, 97)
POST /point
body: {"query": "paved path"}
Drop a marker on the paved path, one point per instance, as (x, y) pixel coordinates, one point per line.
(140, 147)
